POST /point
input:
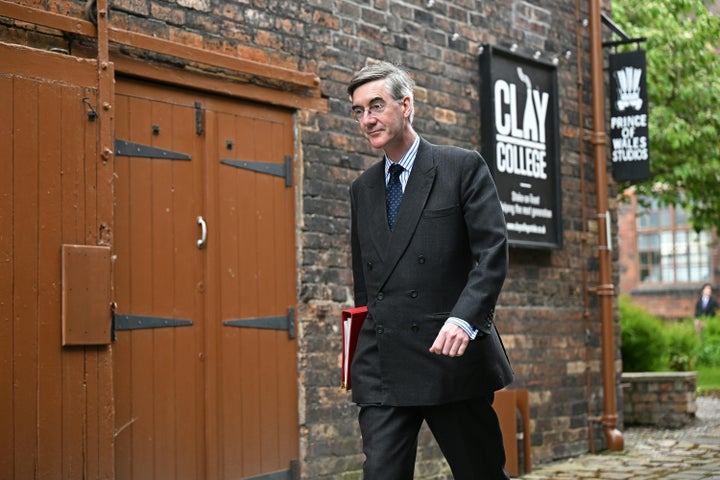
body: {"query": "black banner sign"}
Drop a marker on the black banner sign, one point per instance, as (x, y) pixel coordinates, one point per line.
(629, 116)
(520, 142)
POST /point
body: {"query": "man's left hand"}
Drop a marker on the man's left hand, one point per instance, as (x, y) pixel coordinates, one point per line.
(451, 341)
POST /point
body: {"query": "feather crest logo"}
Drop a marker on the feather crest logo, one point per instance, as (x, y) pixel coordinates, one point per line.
(628, 88)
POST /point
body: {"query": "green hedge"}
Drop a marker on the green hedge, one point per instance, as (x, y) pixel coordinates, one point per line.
(651, 344)
(683, 344)
(644, 346)
(709, 349)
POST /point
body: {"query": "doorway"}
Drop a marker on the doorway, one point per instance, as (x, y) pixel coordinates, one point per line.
(205, 364)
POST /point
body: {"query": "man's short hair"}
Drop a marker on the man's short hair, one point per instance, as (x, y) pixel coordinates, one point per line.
(397, 81)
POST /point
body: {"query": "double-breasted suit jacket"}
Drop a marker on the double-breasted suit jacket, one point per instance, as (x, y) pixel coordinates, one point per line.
(447, 256)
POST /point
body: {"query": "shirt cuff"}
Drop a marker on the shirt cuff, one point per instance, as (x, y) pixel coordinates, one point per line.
(472, 332)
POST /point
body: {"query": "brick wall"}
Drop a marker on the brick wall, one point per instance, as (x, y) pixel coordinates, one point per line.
(659, 399)
(550, 326)
(549, 321)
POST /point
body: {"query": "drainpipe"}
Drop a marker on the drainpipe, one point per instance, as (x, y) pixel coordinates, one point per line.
(580, 72)
(605, 289)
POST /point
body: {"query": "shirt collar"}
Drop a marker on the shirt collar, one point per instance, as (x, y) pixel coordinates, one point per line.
(408, 160)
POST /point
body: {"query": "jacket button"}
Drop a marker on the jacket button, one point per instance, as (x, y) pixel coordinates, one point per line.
(369, 265)
(413, 293)
(415, 327)
(380, 295)
(421, 259)
(379, 329)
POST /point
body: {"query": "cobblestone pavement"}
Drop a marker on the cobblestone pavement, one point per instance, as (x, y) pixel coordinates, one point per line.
(690, 453)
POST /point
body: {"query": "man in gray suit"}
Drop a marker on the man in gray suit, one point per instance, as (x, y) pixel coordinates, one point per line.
(429, 257)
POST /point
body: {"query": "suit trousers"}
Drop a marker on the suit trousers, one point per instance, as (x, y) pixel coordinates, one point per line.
(468, 433)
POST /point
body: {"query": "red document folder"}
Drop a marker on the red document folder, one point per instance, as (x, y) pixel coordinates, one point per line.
(352, 320)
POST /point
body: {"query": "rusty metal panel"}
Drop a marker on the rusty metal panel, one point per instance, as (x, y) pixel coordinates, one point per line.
(508, 405)
(85, 295)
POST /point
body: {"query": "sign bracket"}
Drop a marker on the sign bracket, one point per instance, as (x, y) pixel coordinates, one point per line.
(625, 39)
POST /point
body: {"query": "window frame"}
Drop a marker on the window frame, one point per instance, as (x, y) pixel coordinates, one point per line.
(669, 251)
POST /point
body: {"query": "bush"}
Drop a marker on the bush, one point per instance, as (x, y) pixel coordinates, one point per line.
(649, 344)
(709, 348)
(644, 345)
(683, 344)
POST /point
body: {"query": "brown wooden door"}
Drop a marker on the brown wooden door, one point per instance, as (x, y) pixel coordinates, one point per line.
(54, 400)
(210, 392)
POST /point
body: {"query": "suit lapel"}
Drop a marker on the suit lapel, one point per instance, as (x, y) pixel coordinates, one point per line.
(413, 202)
(376, 212)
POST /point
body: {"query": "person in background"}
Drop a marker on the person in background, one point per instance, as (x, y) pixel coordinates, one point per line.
(429, 258)
(706, 306)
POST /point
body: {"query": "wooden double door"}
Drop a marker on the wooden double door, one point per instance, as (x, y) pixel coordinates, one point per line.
(204, 357)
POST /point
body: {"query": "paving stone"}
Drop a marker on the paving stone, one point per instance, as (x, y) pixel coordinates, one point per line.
(688, 453)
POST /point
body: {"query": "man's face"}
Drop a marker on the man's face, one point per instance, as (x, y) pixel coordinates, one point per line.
(383, 129)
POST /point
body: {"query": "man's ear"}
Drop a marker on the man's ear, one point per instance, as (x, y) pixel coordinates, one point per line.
(407, 104)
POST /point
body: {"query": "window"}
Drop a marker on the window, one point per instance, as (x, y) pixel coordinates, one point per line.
(669, 250)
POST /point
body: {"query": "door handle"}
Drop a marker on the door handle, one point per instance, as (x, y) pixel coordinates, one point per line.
(203, 232)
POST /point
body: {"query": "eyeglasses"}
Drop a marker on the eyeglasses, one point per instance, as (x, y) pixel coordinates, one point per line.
(376, 108)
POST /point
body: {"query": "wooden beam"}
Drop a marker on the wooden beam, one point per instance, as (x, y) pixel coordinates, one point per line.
(46, 19)
(223, 86)
(248, 67)
(19, 59)
(285, 81)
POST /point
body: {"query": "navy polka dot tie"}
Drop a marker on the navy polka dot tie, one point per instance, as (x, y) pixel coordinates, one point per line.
(393, 194)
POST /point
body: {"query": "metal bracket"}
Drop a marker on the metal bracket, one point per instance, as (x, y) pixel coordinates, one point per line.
(276, 169)
(124, 321)
(123, 148)
(92, 113)
(619, 31)
(280, 322)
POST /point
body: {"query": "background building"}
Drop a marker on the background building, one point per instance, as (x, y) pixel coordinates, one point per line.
(664, 262)
(175, 229)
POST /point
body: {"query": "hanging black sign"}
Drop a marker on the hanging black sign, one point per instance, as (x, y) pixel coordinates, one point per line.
(520, 142)
(629, 116)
